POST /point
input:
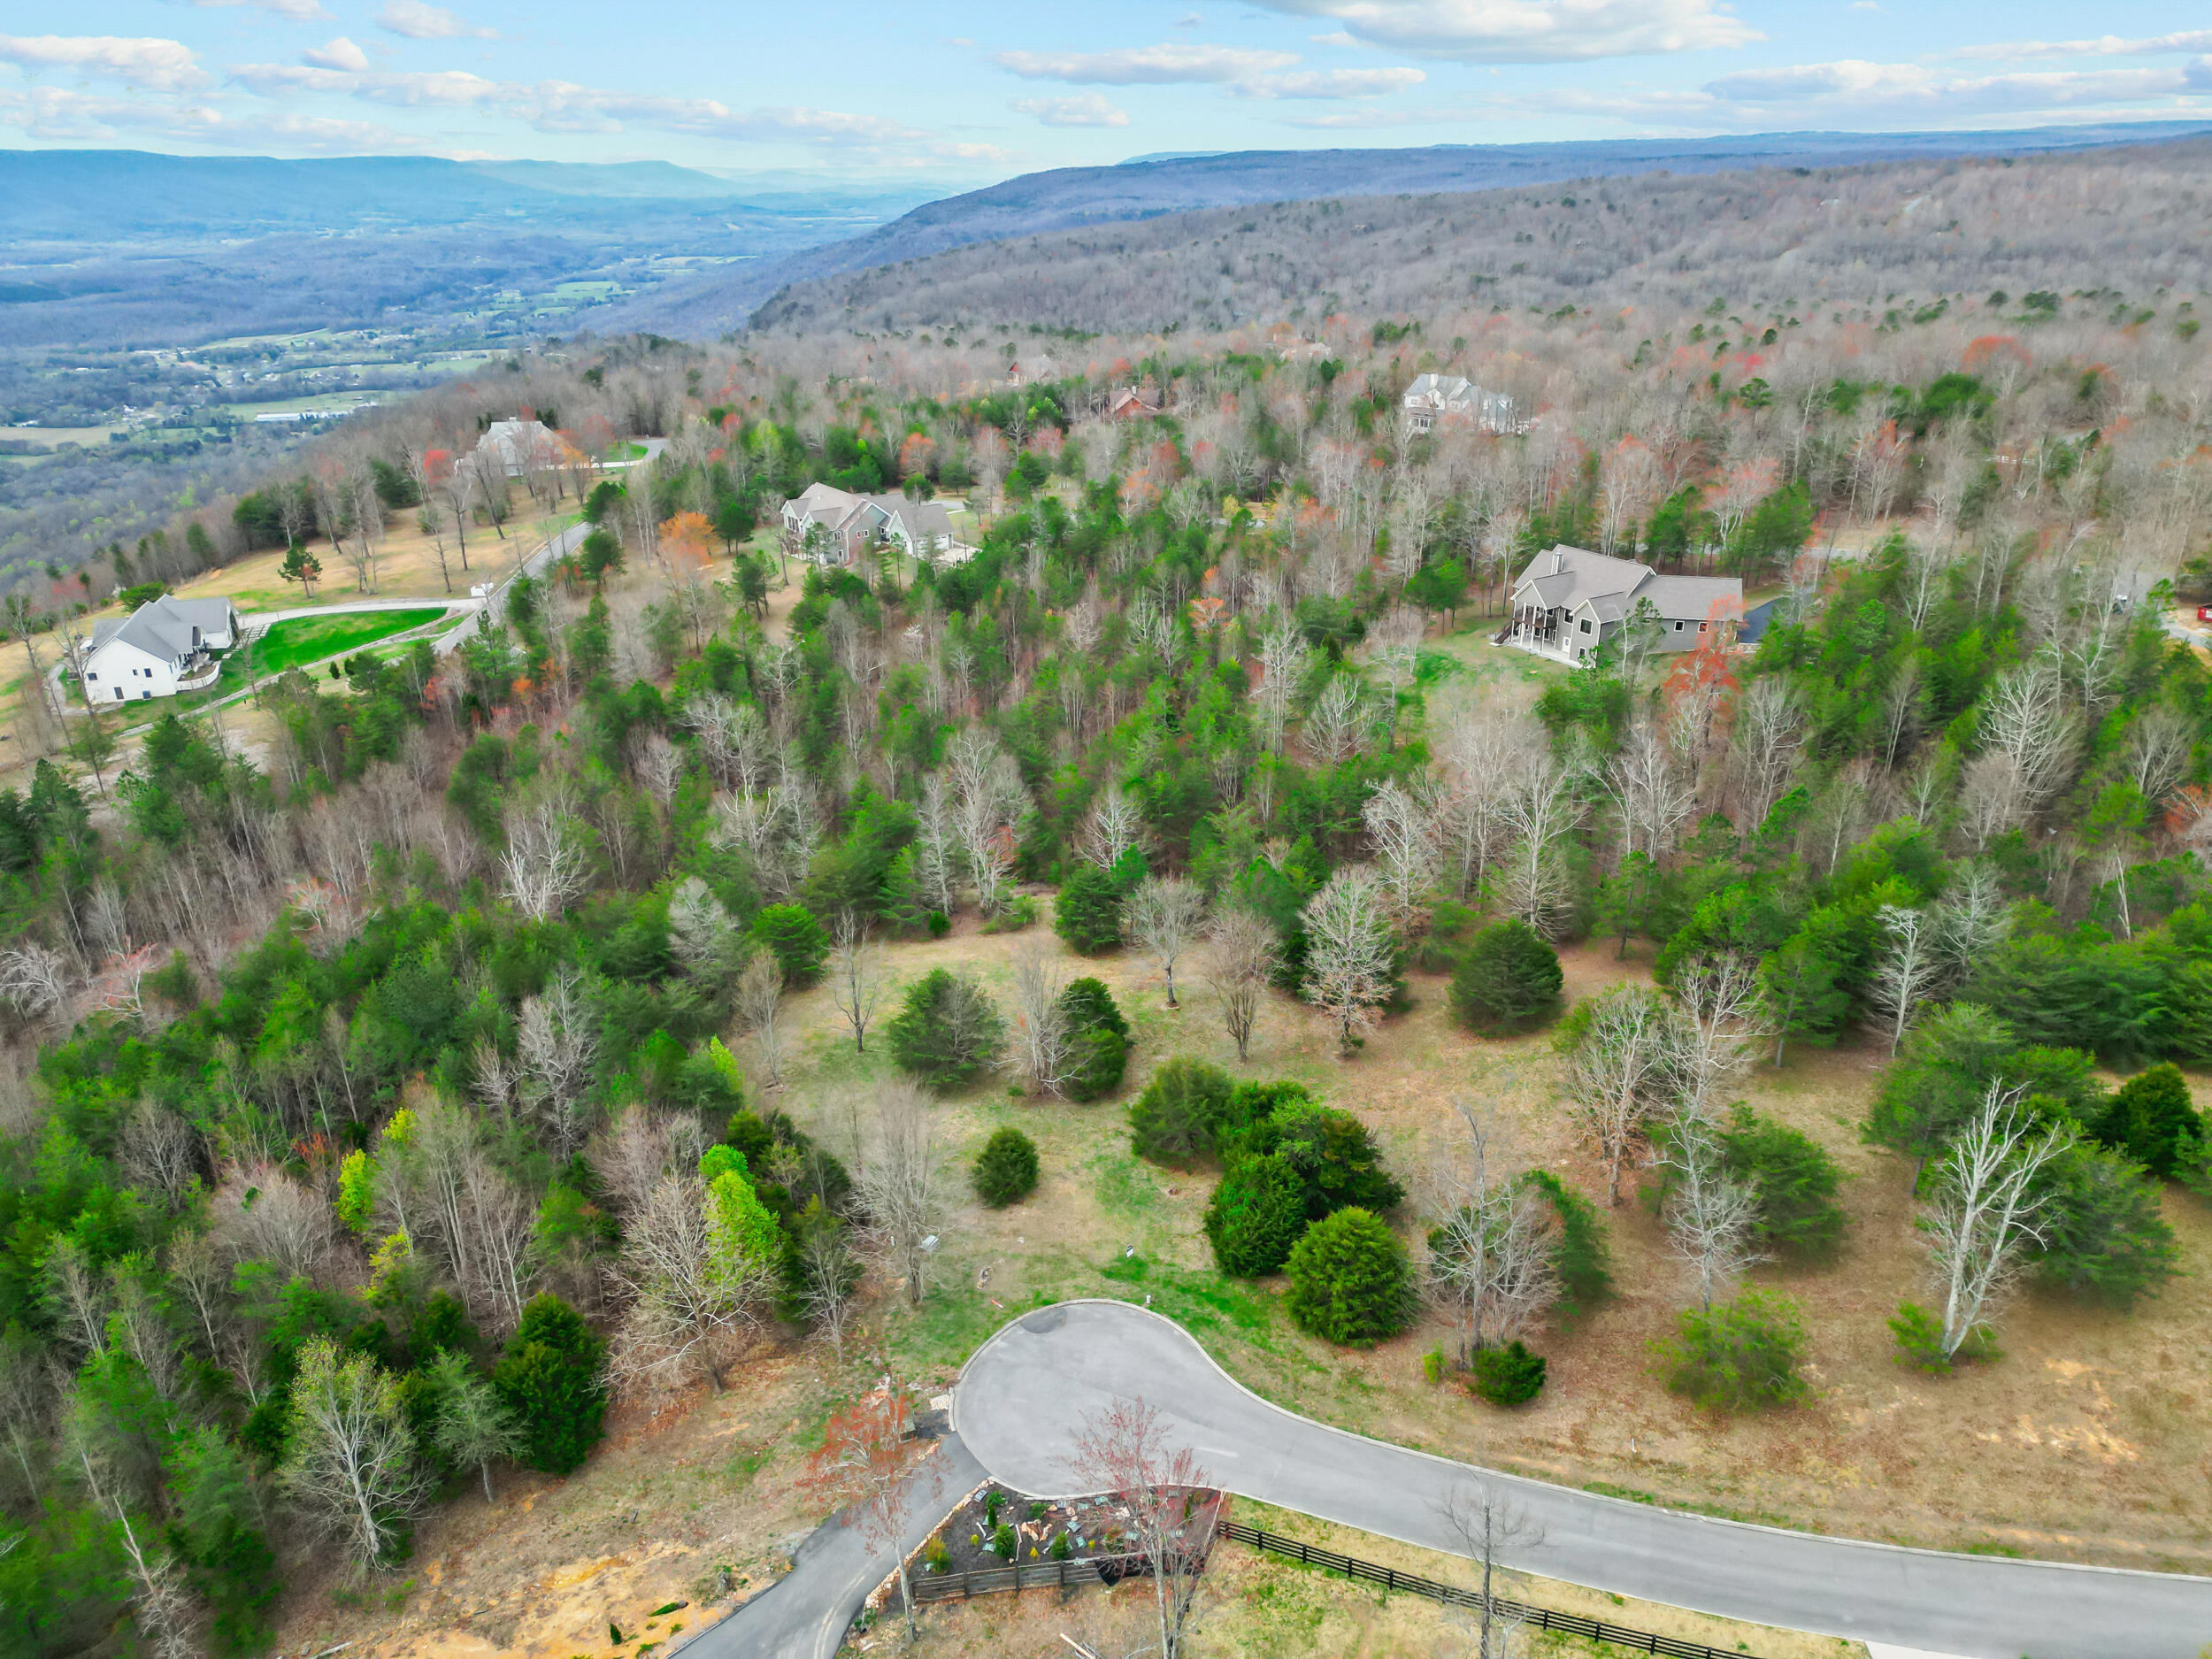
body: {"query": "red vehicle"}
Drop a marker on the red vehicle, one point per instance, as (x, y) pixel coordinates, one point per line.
(2204, 613)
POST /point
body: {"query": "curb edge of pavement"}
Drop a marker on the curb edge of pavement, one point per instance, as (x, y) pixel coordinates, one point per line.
(1598, 1497)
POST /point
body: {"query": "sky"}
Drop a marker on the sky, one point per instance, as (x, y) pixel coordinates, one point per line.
(965, 91)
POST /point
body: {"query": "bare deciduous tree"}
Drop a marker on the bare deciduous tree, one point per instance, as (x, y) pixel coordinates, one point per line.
(1650, 792)
(1540, 809)
(1493, 1250)
(1711, 1216)
(1987, 1209)
(1723, 1020)
(1769, 736)
(1243, 952)
(1125, 1450)
(1905, 972)
(1041, 1050)
(1619, 1071)
(349, 1466)
(1490, 1526)
(556, 1040)
(1404, 834)
(758, 1006)
(903, 1191)
(1164, 918)
(692, 1297)
(1348, 952)
(1110, 828)
(545, 867)
(856, 976)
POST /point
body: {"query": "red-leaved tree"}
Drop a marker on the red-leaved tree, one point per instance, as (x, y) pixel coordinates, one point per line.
(1173, 1513)
(865, 1470)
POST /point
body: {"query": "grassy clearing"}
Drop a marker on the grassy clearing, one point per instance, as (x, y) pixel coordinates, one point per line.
(311, 639)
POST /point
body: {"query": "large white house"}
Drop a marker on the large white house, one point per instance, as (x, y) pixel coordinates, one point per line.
(159, 650)
(522, 446)
(1449, 397)
(850, 524)
(1569, 601)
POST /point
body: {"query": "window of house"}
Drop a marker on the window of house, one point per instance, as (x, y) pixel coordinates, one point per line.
(1677, 624)
(1701, 628)
(1586, 624)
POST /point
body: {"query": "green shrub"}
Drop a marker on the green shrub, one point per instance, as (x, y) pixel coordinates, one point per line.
(1919, 1335)
(2103, 1233)
(1099, 1040)
(796, 941)
(1183, 1113)
(2148, 1118)
(1061, 1549)
(1351, 1282)
(938, 1556)
(1584, 1264)
(1433, 1365)
(1020, 912)
(1507, 1376)
(1508, 980)
(1005, 1171)
(1333, 1152)
(947, 1033)
(1740, 1356)
(1003, 1543)
(1256, 1217)
(1087, 912)
(549, 1379)
(1794, 1179)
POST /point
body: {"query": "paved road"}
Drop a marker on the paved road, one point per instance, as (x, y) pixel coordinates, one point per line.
(1023, 1395)
(804, 1614)
(495, 606)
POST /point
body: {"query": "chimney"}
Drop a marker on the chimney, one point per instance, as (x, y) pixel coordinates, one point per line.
(1558, 560)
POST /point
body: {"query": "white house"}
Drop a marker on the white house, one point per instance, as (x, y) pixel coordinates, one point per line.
(1449, 397)
(159, 650)
(850, 524)
(1569, 602)
(523, 446)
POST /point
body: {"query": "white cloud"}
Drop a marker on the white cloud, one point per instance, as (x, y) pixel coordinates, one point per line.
(60, 114)
(2103, 46)
(419, 22)
(1529, 31)
(1089, 108)
(1866, 5)
(1147, 66)
(1189, 21)
(337, 54)
(1331, 83)
(142, 62)
(563, 106)
(295, 11)
(1863, 96)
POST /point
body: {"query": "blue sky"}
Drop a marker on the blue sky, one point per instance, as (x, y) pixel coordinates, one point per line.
(862, 89)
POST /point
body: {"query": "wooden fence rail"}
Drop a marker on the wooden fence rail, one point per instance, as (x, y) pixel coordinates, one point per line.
(1066, 1575)
(1541, 1617)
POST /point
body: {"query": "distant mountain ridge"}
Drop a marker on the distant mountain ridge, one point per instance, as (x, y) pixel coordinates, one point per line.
(1070, 198)
(102, 195)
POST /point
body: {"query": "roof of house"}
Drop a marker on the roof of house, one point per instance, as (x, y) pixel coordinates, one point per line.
(1449, 388)
(1566, 578)
(520, 441)
(163, 627)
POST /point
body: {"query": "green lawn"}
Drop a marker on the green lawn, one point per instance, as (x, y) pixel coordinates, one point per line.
(310, 638)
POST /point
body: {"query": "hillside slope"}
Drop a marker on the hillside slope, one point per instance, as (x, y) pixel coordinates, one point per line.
(1067, 199)
(2113, 222)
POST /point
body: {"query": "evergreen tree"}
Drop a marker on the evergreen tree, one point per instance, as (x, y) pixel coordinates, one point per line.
(1351, 1282)
(549, 1377)
(1508, 980)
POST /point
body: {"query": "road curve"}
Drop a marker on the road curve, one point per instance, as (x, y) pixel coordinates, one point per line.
(804, 1614)
(1024, 1395)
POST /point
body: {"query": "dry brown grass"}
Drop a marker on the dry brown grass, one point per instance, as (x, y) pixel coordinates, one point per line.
(2087, 1442)
(1257, 1604)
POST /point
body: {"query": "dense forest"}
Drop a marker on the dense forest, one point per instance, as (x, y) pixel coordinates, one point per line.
(381, 1110)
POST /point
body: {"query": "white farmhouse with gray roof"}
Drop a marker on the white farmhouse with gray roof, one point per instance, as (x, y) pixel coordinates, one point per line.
(158, 651)
(1569, 602)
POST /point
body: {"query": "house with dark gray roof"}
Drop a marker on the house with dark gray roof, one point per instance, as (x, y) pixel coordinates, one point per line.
(835, 526)
(1569, 601)
(162, 648)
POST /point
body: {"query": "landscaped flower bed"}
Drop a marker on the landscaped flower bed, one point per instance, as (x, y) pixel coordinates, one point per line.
(998, 1528)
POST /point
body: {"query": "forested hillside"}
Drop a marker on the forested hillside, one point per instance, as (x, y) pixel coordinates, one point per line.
(2128, 222)
(411, 1097)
